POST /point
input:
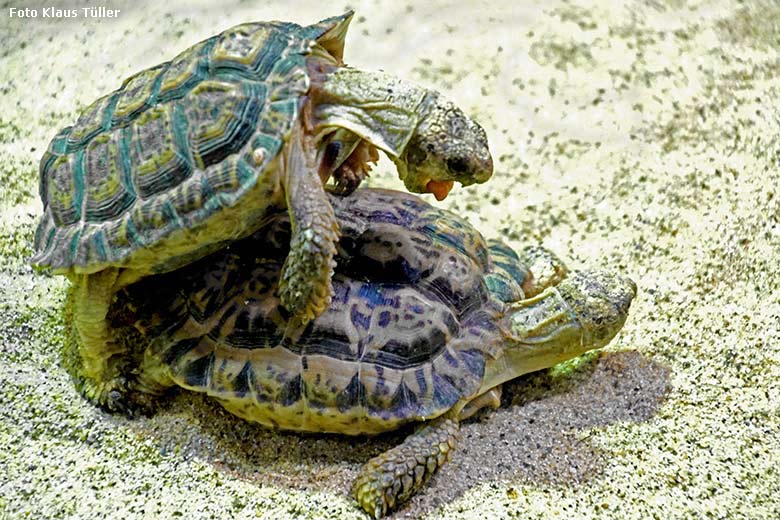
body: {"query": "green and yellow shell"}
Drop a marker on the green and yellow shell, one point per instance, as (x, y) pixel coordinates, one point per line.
(155, 170)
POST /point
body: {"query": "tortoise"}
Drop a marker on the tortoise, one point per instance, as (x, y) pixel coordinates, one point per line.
(194, 153)
(427, 321)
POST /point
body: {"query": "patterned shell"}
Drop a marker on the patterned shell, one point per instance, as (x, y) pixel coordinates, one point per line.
(418, 294)
(175, 146)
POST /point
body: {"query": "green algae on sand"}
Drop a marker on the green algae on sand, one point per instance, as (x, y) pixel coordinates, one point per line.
(641, 136)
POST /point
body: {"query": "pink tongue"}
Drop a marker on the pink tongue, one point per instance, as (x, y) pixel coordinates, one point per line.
(440, 189)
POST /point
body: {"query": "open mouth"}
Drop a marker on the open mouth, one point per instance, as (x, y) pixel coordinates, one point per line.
(440, 189)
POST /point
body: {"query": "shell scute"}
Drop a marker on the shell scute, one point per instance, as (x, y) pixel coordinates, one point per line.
(137, 93)
(263, 150)
(222, 116)
(106, 195)
(252, 48)
(243, 381)
(99, 246)
(507, 274)
(198, 373)
(94, 119)
(156, 156)
(296, 80)
(189, 197)
(57, 147)
(146, 220)
(351, 396)
(59, 143)
(279, 116)
(227, 179)
(64, 191)
(185, 71)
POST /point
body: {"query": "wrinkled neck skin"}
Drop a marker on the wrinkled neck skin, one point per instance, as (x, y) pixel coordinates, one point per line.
(540, 332)
(378, 107)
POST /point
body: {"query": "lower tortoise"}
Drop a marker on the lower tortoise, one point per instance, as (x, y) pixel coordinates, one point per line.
(194, 153)
(427, 321)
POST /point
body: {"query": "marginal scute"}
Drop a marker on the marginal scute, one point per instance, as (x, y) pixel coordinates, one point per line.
(198, 373)
(179, 350)
(268, 146)
(352, 396)
(243, 381)
(507, 273)
(291, 390)
(234, 173)
(188, 197)
(59, 144)
(99, 246)
(144, 221)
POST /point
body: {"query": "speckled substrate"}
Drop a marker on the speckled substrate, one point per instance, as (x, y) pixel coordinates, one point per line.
(641, 137)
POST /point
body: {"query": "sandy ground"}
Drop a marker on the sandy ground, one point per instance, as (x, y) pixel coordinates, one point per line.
(640, 137)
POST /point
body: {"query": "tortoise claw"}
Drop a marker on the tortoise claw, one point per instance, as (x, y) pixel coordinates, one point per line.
(355, 168)
(118, 396)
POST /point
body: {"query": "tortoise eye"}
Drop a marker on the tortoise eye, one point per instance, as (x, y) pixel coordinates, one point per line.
(458, 165)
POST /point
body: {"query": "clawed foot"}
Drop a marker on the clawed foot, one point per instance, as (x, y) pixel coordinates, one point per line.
(119, 396)
(355, 168)
(393, 477)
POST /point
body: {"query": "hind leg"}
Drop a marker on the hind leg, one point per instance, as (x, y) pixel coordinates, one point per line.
(100, 360)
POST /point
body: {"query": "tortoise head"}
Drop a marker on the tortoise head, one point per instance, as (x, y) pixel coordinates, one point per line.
(447, 146)
(583, 312)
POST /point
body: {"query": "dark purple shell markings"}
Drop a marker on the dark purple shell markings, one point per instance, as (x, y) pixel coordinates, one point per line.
(407, 335)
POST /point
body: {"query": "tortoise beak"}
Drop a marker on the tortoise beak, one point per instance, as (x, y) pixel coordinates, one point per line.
(440, 189)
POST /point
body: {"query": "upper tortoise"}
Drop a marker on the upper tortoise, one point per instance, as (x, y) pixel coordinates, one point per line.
(427, 322)
(194, 153)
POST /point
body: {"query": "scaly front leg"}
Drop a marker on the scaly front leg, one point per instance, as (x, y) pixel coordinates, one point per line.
(305, 286)
(393, 477)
